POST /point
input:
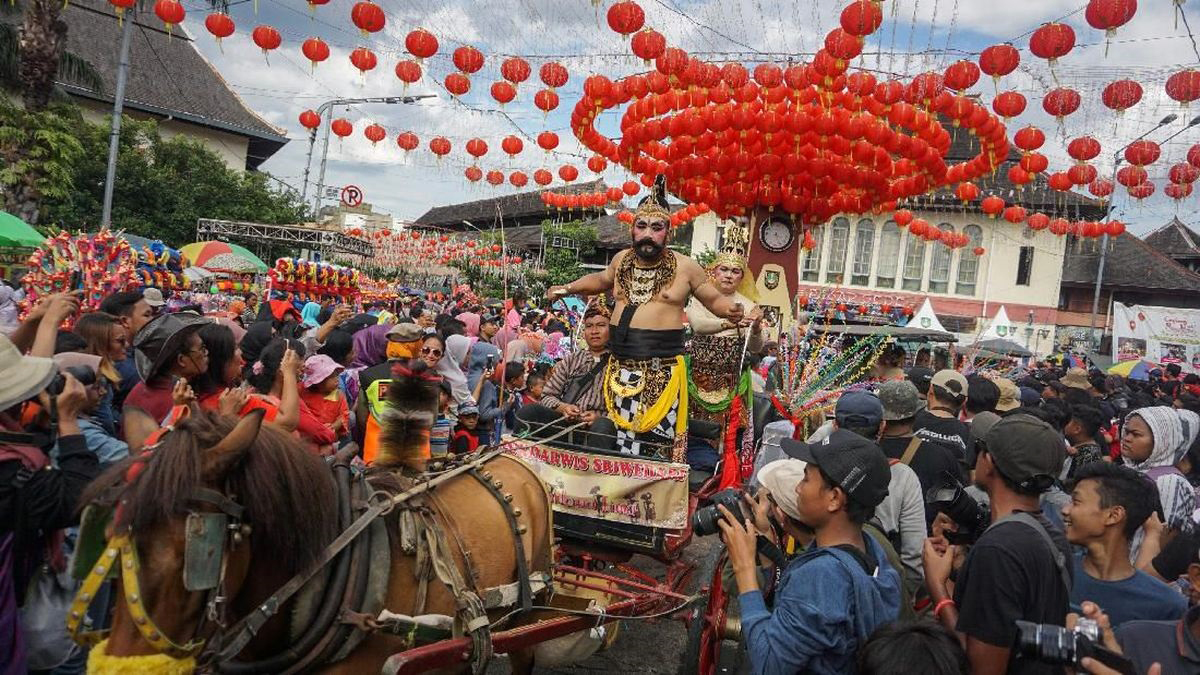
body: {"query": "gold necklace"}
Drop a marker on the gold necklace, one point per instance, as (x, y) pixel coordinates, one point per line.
(641, 284)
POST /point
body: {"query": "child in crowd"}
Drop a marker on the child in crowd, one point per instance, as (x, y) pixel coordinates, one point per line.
(534, 384)
(465, 440)
(439, 435)
(319, 391)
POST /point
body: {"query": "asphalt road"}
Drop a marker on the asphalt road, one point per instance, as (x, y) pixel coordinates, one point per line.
(654, 646)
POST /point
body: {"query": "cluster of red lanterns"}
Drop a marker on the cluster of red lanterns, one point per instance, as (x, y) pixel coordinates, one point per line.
(919, 227)
(581, 200)
(414, 249)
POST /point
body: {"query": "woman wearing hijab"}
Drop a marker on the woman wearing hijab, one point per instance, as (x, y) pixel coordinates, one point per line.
(471, 321)
(451, 367)
(370, 348)
(1150, 443)
(308, 315)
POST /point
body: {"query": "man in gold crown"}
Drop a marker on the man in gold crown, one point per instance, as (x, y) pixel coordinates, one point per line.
(645, 384)
(718, 367)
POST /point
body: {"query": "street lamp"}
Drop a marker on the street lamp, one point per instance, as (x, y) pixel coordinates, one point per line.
(1108, 213)
(312, 136)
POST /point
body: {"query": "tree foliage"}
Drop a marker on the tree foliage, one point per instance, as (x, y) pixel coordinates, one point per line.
(164, 185)
(561, 263)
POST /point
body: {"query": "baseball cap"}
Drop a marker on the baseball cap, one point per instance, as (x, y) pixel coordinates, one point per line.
(489, 318)
(467, 408)
(900, 399)
(952, 382)
(1026, 450)
(781, 477)
(153, 297)
(1010, 396)
(858, 408)
(920, 376)
(853, 463)
(405, 332)
(1030, 397)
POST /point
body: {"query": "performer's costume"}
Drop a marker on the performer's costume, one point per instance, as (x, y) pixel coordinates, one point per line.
(718, 366)
(645, 384)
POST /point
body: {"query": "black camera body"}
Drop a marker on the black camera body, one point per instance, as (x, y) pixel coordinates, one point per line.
(705, 521)
(1060, 646)
(85, 375)
(952, 499)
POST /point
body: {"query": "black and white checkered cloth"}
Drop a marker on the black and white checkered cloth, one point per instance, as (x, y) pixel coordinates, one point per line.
(628, 442)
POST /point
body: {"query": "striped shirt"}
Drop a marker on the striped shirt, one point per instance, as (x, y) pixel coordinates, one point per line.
(575, 366)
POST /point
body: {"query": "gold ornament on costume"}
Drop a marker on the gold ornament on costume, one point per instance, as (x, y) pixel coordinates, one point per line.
(654, 205)
(734, 248)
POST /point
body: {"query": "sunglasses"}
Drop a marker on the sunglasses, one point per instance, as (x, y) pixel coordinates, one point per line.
(431, 351)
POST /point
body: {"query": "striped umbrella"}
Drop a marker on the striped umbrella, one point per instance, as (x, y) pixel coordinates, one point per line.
(220, 256)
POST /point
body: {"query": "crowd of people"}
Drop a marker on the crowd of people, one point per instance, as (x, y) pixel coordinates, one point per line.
(945, 524)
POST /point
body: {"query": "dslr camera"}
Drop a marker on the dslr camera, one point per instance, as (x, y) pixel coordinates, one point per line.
(85, 375)
(952, 499)
(1060, 646)
(705, 521)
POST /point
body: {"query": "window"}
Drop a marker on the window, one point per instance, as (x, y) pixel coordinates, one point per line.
(968, 263)
(914, 263)
(811, 267)
(1025, 266)
(562, 242)
(864, 251)
(889, 256)
(720, 238)
(839, 239)
(940, 263)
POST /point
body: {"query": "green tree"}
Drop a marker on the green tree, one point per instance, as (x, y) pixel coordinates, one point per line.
(561, 263)
(39, 151)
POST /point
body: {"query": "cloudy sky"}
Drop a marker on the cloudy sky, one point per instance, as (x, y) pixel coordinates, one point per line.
(916, 35)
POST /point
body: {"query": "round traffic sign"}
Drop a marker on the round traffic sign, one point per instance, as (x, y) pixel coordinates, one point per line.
(352, 195)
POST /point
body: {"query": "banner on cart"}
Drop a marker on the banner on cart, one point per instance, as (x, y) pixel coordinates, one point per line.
(619, 489)
(1159, 334)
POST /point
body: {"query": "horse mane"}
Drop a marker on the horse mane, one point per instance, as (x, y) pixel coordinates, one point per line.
(288, 494)
(412, 396)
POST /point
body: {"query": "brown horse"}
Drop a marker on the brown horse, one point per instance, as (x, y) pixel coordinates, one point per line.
(291, 511)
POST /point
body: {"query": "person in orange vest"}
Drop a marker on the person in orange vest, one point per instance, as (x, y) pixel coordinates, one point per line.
(404, 339)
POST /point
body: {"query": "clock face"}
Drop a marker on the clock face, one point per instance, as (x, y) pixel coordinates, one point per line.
(776, 235)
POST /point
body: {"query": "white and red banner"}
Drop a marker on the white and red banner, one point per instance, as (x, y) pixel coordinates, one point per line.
(1163, 335)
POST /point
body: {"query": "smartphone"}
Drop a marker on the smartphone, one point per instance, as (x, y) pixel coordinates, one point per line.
(76, 280)
(491, 360)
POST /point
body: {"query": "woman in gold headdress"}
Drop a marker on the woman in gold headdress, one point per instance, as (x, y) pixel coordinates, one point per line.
(718, 355)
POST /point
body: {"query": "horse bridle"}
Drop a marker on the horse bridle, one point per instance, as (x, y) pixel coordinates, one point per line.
(120, 552)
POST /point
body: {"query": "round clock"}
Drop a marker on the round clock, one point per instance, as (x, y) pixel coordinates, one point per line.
(776, 235)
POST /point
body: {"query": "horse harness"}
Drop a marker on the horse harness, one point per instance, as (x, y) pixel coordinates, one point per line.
(210, 535)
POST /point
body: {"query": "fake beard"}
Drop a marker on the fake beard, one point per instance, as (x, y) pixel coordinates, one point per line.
(648, 249)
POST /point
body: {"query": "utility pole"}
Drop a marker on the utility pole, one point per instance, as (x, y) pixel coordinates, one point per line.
(114, 136)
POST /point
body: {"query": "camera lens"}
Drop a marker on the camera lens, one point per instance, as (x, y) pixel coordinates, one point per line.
(705, 521)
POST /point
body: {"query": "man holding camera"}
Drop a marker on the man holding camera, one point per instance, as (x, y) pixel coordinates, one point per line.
(834, 594)
(1020, 568)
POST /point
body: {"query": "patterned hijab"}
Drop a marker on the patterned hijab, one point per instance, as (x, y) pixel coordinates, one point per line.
(1168, 435)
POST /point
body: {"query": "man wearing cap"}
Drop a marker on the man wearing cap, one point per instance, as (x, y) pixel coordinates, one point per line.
(930, 461)
(833, 595)
(1010, 396)
(1020, 568)
(489, 325)
(373, 382)
(165, 350)
(939, 421)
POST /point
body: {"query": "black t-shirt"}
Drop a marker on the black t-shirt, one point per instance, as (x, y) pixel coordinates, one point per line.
(947, 431)
(1010, 574)
(931, 461)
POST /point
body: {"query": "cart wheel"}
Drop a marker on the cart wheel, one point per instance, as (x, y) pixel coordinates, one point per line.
(708, 649)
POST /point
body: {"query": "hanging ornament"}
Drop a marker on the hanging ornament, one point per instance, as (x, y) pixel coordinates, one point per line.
(457, 83)
(1101, 188)
(1108, 16)
(1060, 181)
(999, 60)
(1082, 174)
(1144, 190)
(310, 120)
(518, 180)
(1184, 86)
(1029, 138)
(568, 173)
(439, 146)
(597, 164)
(120, 6)
(1061, 102)
(1130, 176)
(341, 127)
(967, 192)
(1038, 221)
(553, 74)
(1083, 149)
(407, 141)
(421, 43)
(408, 72)
(992, 206)
(512, 146)
(267, 38)
(547, 140)
(315, 50)
(961, 75)
(375, 133)
(861, 17)
(1008, 104)
(503, 92)
(648, 44)
(495, 178)
(364, 59)
(1142, 152)
(543, 177)
(1183, 173)
(545, 100)
(630, 188)
(468, 59)
(1120, 95)
(626, 17)
(368, 16)
(220, 25)
(515, 70)
(477, 148)
(171, 13)
(1014, 214)
(1116, 228)
(1193, 155)
(1052, 41)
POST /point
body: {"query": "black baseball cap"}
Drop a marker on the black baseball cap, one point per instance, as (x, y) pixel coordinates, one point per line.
(920, 377)
(858, 408)
(853, 463)
(1028, 451)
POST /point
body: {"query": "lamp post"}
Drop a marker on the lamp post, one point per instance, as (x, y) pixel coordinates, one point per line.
(1108, 214)
(312, 137)
(114, 134)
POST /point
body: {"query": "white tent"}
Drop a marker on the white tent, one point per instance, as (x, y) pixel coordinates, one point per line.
(1000, 327)
(925, 318)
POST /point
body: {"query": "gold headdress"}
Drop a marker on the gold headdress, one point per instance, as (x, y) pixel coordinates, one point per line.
(735, 251)
(654, 205)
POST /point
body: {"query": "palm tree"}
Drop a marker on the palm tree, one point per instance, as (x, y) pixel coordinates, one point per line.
(32, 57)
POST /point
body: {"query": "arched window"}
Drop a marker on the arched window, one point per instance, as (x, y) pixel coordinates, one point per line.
(968, 264)
(939, 266)
(839, 240)
(864, 252)
(914, 263)
(811, 267)
(889, 256)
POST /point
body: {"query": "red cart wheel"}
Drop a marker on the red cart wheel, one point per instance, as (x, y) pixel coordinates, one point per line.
(712, 625)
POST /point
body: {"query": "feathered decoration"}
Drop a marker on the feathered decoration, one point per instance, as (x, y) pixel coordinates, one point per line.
(412, 397)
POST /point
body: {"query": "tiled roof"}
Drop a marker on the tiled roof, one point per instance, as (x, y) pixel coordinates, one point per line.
(511, 207)
(1175, 239)
(1132, 264)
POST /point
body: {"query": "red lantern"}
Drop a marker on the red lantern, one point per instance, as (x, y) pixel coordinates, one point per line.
(1014, 214)
(597, 164)
(408, 71)
(1082, 174)
(568, 173)
(375, 133)
(992, 205)
(1034, 162)
(545, 100)
(1083, 148)
(503, 92)
(515, 70)
(468, 59)
(421, 43)
(1059, 226)
(170, 11)
(919, 227)
(512, 146)
(219, 24)
(630, 188)
(1018, 176)
(457, 84)
(315, 50)
(1130, 176)
(266, 37)
(439, 146)
(548, 140)
(902, 217)
(341, 127)
(1101, 188)
(543, 177)
(1144, 190)
(1183, 173)
(1184, 86)
(1038, 221)
(961, 75)
(1121, 95)
(518, 179)
(614, 194)
(407, 141)
(1029, 138)
(626, 17)
(1142, 153)
(477, 148)
(1109, 15)
(1193, 155)
(553, 74)
(368, 16)
(1060, 181)
(999, 60)
(310, 119)
(861, 17)
(363, 59)
(648, 45)
(1116, 228)
(121, 6)
(1008, 104)
(495, 178)
(967, 192)
(1052, 41)
(1061, 102)
(978, 250)
(1175, 191)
